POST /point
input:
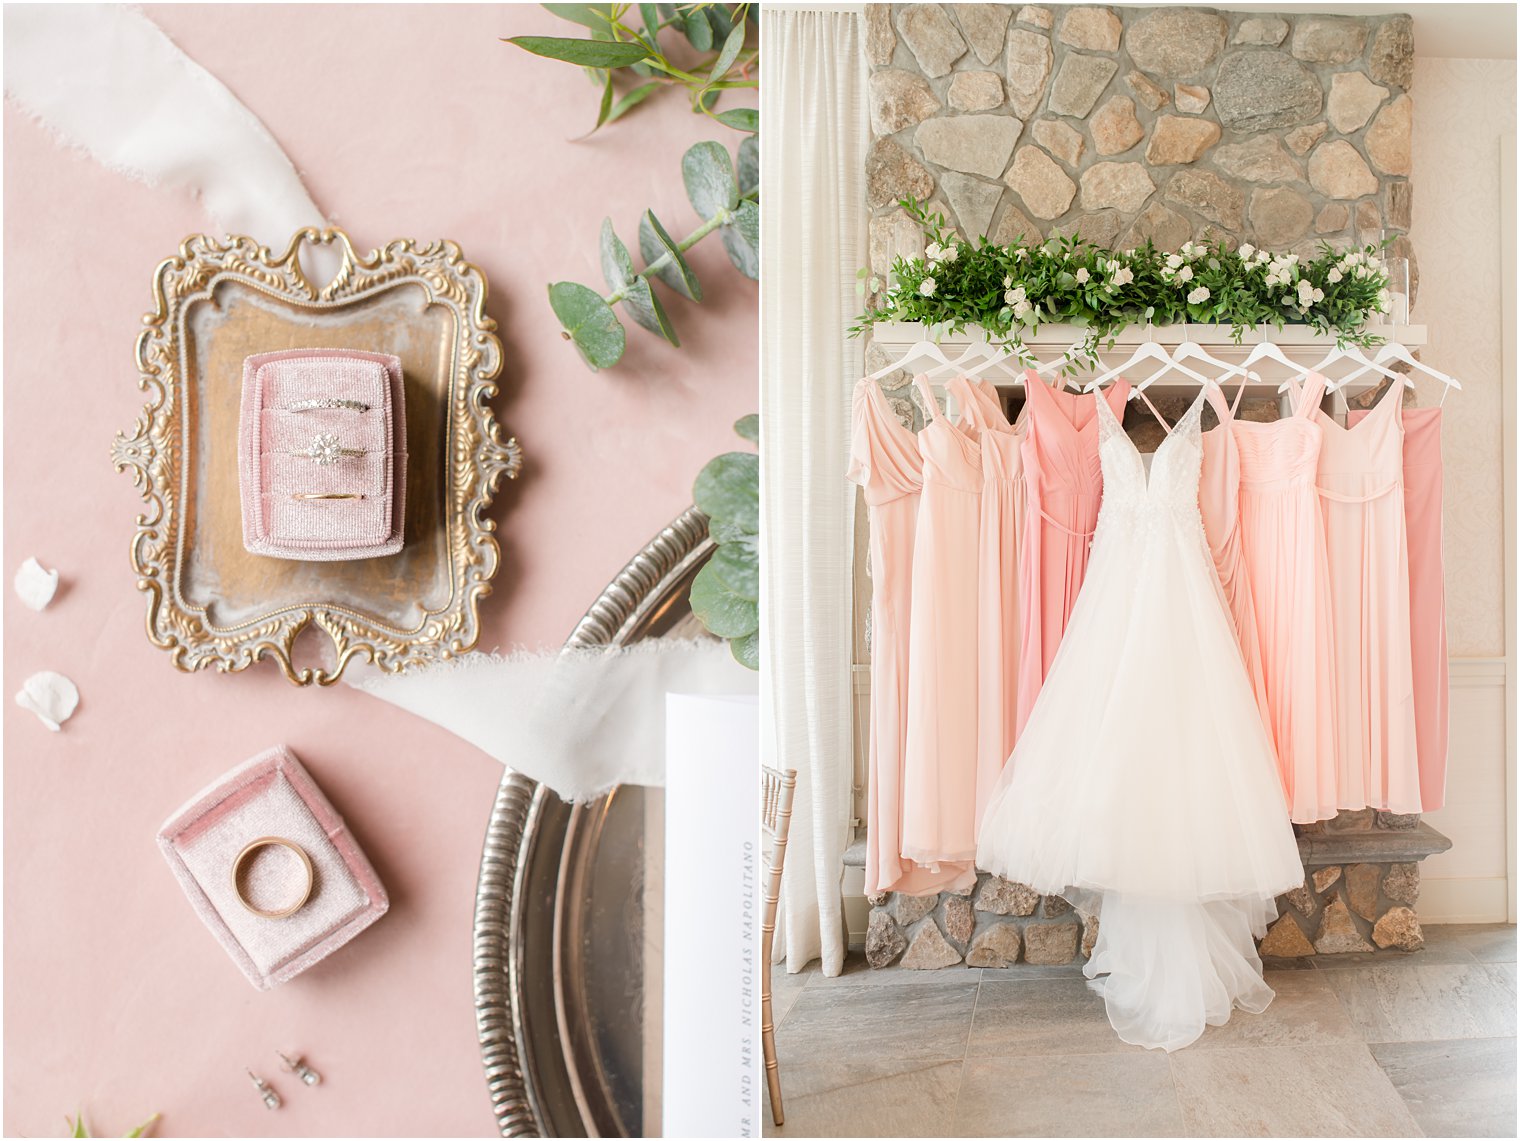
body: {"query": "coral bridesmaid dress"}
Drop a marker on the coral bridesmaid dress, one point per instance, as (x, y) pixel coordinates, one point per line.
(939, 779)
(1219, 504)
(1283, 544)
(1427, 595)
(1361, 486)
(884, 460)
(1063, 480)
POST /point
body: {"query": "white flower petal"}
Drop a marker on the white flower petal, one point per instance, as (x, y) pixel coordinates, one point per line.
(51, 696)
(35, 584)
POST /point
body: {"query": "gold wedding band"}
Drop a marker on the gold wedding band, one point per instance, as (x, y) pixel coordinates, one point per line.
(272, 842)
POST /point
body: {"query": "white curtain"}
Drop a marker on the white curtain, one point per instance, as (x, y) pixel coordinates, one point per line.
(813, 239)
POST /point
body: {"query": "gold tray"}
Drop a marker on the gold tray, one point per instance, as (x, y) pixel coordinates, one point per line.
(211, 604)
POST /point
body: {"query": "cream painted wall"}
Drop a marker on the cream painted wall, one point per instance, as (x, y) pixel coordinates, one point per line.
(1463, 109)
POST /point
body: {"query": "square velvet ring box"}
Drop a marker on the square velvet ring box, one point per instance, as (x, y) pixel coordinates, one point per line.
(322, 454)
(271, 868)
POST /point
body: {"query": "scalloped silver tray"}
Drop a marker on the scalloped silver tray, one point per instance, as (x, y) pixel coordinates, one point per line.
(569, 908)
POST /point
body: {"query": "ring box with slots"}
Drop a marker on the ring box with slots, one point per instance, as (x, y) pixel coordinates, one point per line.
(322, 482)
(271, 795)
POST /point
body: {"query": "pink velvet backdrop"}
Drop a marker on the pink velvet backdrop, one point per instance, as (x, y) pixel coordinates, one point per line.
(405, 121)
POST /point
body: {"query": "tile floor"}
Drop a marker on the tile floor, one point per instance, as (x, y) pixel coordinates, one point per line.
(1421, 1045)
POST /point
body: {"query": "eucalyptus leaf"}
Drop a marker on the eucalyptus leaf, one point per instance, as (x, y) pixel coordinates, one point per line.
(727, 531)
(594, 16)
(589, 322)
(655, 243)
(740, 119)
(741, 238)
(719, 608)
(732, 46)
(645, 308)
(79, 1129)
(739, 569)
(746, 650)
(617, 266)
(749, 166)
(709, 176)
(586, 53)
(698, 29)
(605, 108)
(631, 99)
(652, 20)
(728, 490)
(722, 22)
(749, 427)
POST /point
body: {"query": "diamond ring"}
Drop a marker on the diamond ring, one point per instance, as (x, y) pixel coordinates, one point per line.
(327, 402)
(325, 450)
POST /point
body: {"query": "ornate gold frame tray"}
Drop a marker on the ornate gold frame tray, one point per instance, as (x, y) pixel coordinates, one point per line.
(211, 604)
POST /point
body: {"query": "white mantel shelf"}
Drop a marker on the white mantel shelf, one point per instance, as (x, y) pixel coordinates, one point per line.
(1298, 342)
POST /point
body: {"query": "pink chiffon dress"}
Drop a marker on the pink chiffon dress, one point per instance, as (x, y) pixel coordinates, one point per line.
(998, 625)
(1283, 544)
(1427, 595)
(1219, 504)
(884, 460)
(940, 767)
(1063, 481)
(1361, 488)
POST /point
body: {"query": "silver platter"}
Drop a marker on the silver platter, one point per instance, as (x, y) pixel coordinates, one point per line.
(567, 909)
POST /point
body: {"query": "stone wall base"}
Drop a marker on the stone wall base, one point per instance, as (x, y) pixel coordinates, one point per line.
(1361, 881)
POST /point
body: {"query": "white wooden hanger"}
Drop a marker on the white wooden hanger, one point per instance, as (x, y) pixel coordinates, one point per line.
(924, 348)
(957, 367)
(995, 357)
(1192, 350)
(1061, 360)
(1145, 350)
(1393, 351)
(1268, 350)
(1171, 365)
(1351, 353)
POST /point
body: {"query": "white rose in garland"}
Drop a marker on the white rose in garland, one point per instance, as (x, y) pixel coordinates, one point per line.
(1006, 290)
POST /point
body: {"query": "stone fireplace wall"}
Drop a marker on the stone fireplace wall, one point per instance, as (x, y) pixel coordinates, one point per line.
(1130, 123)
(1124, 124)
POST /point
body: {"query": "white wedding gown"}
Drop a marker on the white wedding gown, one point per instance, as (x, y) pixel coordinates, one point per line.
(1144, 787)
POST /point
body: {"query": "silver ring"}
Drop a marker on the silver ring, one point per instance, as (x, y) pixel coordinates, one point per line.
(327, 402)
(325, 450)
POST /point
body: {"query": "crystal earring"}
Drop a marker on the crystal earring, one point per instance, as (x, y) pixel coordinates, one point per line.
(301, 1070)
(266, 1091)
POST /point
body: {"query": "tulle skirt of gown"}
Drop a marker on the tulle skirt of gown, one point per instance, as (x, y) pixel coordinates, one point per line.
(1144, 787)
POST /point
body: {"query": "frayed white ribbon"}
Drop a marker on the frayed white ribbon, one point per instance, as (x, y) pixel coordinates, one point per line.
(105, 79)
(578, 720)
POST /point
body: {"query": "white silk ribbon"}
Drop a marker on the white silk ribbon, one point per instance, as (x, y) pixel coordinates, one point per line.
(578, 720)
(105, 79)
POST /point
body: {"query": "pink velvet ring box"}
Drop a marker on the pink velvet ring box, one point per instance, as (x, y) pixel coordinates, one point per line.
(322, 454)
(272, 795)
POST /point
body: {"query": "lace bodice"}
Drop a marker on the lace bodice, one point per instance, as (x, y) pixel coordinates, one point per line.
(1173, 483)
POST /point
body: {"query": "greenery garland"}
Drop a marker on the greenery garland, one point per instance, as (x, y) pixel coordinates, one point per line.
(1009, 291)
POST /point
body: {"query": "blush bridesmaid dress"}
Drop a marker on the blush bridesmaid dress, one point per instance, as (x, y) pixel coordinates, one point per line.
(1427, 595)
(1063, 480)
(1283, 544)
(884, 460)
(1004, 507)
(939, 770)
(1361, 488)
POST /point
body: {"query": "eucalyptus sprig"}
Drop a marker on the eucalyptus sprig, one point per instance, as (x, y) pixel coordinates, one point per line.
(618, 46)
(727, 203)
(725, 595)
(1009, 291)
